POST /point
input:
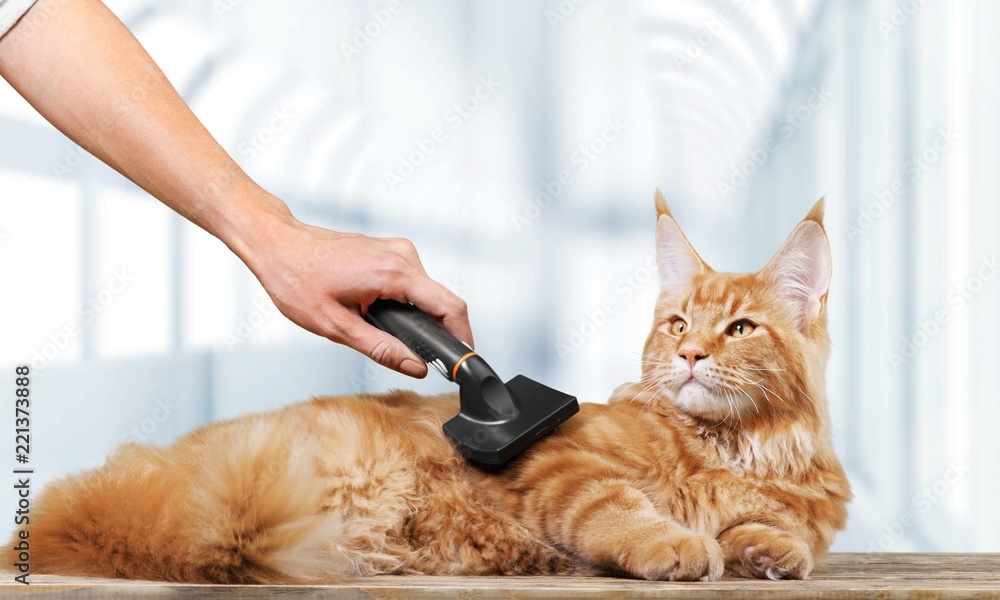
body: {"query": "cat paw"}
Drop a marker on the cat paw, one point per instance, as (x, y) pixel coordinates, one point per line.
(780, 557)
(679, 557)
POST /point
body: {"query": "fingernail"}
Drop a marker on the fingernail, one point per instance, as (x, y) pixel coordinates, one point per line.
(413, 368)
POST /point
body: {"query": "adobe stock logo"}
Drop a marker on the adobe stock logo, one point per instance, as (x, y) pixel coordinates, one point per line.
(957, 298)
(913, 169)
(59, 340)
(165, 408)
(224, 7)
(899, 16)
(565, 10)
(597, 317)
(364, 35)
(425, 147)
(713, 28)
(248, 325)
(786, 128)
(584, 156)
(923, 501)
(279, 121)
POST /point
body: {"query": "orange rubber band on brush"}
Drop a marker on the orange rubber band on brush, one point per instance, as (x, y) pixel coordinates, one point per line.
(454, 372)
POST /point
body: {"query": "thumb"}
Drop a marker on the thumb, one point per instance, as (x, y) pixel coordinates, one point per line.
(383, 348)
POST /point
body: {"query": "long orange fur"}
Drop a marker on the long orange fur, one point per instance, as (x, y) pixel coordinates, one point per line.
(664, 482)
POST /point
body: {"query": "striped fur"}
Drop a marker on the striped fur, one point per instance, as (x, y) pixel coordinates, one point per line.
(673, 479)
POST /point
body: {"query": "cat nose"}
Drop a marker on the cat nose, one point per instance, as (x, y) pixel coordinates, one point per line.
(692, 355)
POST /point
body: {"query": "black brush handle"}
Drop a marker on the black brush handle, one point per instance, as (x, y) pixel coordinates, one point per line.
(421, 333)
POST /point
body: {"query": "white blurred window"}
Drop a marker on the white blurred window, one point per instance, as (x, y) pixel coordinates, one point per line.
(131, 276)
(40, 306)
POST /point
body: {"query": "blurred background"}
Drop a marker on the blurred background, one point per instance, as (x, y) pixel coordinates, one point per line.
(518, 144)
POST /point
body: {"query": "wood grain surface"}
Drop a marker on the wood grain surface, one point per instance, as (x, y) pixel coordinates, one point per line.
(836, 576)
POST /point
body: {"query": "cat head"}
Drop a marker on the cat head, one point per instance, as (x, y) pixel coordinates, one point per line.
(737, 349)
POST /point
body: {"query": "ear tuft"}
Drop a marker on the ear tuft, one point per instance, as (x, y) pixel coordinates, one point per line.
(800, 272)
(677, 262)
(817, 212)
(661, 204)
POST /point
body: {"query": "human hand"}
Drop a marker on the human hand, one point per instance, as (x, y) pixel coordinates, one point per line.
(320, 279)
(324, 281)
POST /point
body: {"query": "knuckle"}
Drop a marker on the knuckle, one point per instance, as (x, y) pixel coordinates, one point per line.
(405, 246)
(330, 329)
(383, 353)
(395, 264)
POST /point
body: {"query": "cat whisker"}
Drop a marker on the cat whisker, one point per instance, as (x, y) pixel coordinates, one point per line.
(770, 390)
(730, 375)
(651, 378)
(809, 398)
(649, 403)
(655, 372)
(766, 389)
(729, 414)
(750, 398)
(732, 409)
(650, 383)
(648, 378)
(654, 359)
(643, 394)
(739, 416)
(656, 356)
(759, 387)
(641, 359)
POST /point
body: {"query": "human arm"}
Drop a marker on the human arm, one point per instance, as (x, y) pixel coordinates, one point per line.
(81, 68)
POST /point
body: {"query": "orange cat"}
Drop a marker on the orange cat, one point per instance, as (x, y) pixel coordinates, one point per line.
(719, 459)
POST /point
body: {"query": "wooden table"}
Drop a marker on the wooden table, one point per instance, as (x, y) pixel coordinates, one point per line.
(836, 576)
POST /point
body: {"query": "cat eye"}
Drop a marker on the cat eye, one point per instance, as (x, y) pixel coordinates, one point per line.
(678, 327)
(741, 328)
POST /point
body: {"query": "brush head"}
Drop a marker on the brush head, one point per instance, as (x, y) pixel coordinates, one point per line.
(499, 421)
(496, 420)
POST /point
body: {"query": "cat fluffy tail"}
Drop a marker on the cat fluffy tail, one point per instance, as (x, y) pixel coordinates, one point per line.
(243, 505)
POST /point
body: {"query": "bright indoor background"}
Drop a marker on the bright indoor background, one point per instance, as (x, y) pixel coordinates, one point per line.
(535, 203)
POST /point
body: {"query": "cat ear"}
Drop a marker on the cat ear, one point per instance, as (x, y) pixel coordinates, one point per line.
(676, 260)
(801, 269)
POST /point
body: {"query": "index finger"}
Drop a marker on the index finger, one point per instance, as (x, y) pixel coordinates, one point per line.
(439, 302)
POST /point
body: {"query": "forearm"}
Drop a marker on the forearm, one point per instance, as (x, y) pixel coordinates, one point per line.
(82, 69)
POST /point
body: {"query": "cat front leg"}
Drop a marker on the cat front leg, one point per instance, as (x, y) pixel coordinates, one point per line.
(659, 549)
(762, 551)
(609, 522)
